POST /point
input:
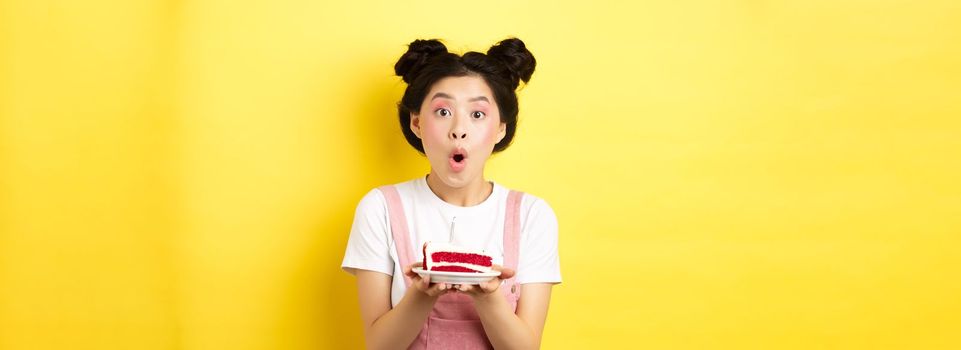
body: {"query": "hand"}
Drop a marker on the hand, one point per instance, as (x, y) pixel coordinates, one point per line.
(423, 284)
(486, 288)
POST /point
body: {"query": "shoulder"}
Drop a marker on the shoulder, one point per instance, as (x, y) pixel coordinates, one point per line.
(407, 189)
(532, 202)
(538, 211)
(373, 201)
(376, 200)
(535, 210)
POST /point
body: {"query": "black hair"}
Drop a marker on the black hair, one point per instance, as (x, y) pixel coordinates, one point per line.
(505, 65)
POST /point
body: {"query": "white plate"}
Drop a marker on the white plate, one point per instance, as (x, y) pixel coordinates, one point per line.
(456, 277)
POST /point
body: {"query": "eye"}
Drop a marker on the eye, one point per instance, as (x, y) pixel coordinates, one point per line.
(478, 115)
(442, 112)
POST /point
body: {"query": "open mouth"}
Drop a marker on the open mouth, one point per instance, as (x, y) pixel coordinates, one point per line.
(458, 155)
(458, 160)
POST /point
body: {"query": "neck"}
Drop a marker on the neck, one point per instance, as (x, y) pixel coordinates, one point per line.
(472, 194)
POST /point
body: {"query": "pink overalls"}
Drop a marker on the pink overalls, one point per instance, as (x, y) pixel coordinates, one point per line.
(453, 323)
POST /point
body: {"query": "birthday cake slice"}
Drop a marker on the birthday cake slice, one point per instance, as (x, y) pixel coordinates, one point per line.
(451, 258)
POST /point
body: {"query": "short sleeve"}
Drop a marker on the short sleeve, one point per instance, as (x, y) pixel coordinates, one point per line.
(368, 247)
(539, 261)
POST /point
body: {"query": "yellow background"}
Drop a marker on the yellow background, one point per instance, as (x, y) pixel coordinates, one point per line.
(727, 175)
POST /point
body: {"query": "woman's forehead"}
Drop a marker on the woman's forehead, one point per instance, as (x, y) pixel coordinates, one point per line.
(461, 89)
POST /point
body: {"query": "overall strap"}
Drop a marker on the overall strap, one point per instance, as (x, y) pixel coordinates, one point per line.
(398, 228)
(512, 240)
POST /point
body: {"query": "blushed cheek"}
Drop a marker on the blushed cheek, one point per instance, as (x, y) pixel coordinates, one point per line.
(485, 134)
(434, 133)
(490, 133)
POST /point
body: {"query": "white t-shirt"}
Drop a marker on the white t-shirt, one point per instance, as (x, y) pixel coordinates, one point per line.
(480, 227)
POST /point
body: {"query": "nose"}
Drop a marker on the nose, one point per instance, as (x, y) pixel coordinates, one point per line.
(457, 129)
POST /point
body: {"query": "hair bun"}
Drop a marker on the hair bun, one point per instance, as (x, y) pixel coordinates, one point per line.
(520, 62)
(418, 52)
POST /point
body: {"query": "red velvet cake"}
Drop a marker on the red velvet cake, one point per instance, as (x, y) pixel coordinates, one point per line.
(451, 258)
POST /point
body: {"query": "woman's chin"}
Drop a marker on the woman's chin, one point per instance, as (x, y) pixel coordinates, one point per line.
(454, 179)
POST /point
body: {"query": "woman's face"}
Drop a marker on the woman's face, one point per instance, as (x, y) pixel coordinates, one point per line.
(459, 124)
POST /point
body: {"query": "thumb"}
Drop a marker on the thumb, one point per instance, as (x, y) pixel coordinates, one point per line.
(507, 273)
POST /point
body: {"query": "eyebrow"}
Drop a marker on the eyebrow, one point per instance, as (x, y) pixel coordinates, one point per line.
(443, 95)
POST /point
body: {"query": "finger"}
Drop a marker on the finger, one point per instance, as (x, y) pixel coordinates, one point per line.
(438, 288)
(490, 286)
(507, 273)
(424, 283)
(413, 266)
